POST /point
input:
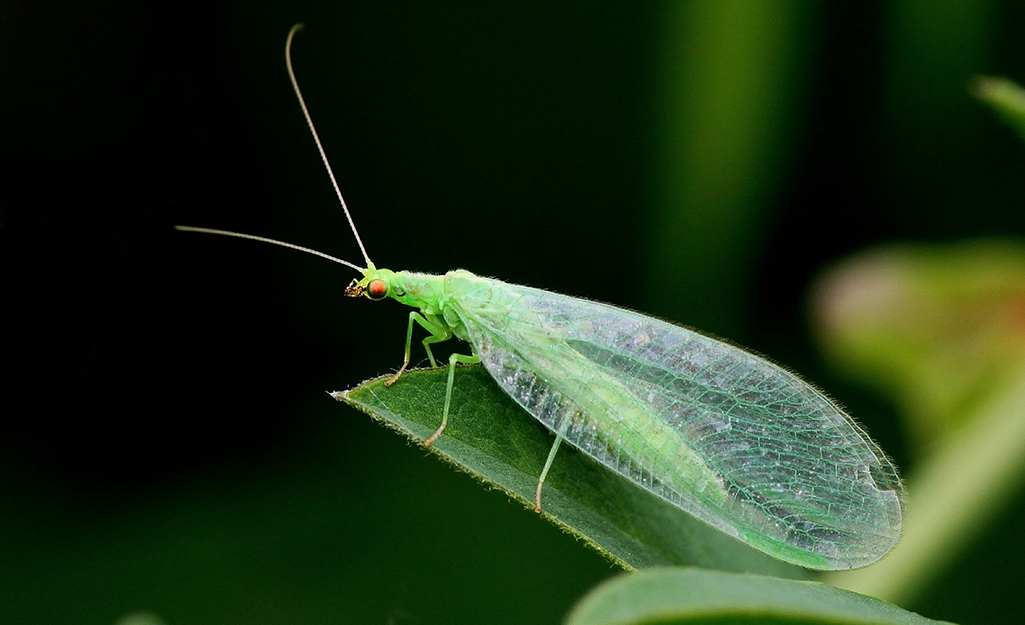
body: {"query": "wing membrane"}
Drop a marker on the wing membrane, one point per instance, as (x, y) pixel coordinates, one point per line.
(729, 437)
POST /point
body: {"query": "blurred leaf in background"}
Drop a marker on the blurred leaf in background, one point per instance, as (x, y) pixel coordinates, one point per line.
(942, 329)
(1005, 96)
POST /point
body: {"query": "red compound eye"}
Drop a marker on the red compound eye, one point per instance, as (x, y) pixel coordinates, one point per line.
(377, 289)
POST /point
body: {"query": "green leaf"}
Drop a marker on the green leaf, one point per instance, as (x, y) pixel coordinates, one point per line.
(1005, 96)
(490, 437)
(685, 595)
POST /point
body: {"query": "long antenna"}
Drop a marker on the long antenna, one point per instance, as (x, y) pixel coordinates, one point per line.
(239, 235)
(316, 138)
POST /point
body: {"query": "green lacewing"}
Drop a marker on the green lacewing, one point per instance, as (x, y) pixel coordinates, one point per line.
(721, 433)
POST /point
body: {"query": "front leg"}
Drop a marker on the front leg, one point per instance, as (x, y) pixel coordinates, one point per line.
(438, 332)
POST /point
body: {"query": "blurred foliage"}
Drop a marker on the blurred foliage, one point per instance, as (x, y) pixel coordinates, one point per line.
(942, 329)
(167, 450)
(1006, 97)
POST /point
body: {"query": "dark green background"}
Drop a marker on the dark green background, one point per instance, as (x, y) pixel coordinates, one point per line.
(165, 441)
